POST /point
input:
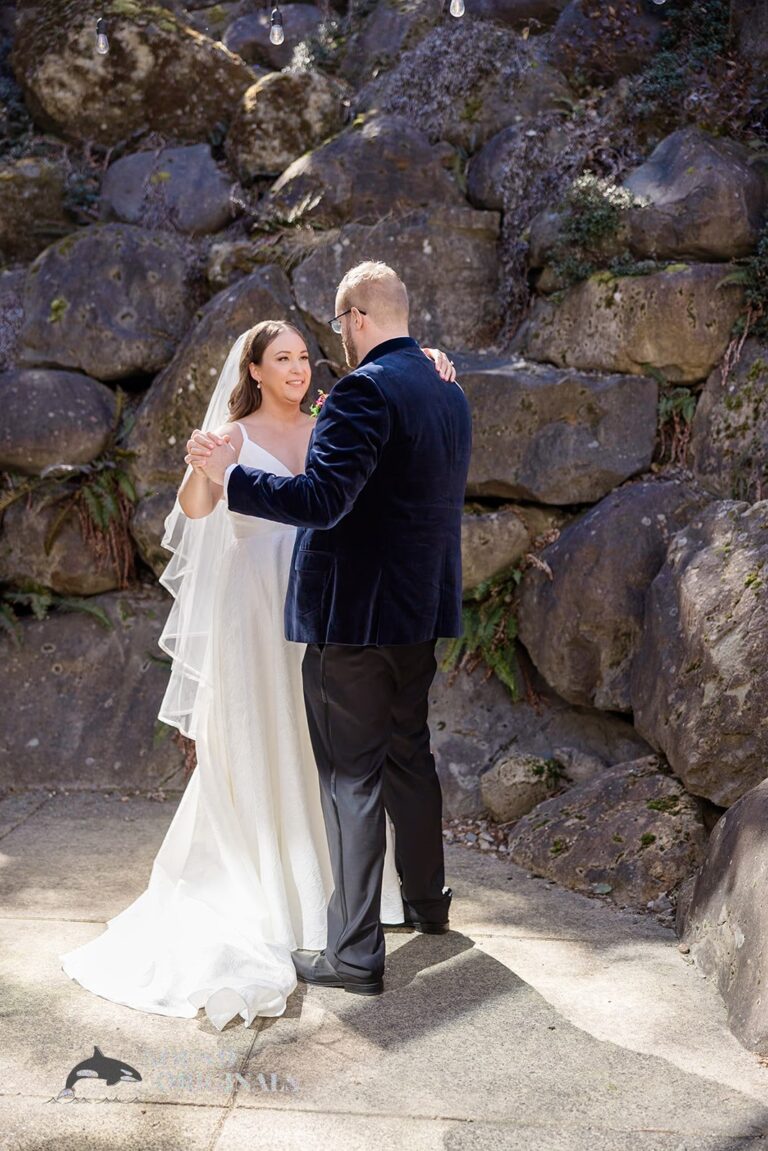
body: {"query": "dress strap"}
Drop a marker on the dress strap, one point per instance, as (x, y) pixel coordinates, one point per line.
(242, 429)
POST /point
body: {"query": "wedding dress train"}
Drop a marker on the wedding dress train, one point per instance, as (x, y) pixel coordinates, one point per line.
(243, 875)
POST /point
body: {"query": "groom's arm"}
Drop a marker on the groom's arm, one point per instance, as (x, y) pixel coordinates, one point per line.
(352, 428)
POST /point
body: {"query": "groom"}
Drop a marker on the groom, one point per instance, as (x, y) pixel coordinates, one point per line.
(376, 578)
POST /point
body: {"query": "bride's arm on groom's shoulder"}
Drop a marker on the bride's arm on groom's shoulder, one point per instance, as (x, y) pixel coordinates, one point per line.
(198, 496)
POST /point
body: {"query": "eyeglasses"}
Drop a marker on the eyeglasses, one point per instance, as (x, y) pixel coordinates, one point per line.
(335, 323)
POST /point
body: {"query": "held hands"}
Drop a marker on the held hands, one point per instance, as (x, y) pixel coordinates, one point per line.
(443, 365)
(210, 455)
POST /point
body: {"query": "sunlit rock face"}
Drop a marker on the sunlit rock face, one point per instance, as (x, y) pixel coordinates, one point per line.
(159, 75)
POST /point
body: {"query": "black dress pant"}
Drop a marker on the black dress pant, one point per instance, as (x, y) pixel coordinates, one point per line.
(367, 712)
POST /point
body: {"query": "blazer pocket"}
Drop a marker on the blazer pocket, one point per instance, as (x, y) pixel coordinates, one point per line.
(313, 576)
(311, 561)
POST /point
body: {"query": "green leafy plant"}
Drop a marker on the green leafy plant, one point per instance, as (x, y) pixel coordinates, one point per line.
(675, 419)
(322, 49)
(100, 495)
(667, 803)
(754, 579)
(551, 772)
(592, 213)
(751, 273)
(490, 631)
(697, 76)
(14, 605)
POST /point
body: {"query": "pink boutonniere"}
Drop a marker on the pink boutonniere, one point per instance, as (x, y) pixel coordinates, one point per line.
(315, 408)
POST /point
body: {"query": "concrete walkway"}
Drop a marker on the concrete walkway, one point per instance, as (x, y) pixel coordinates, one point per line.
(544, 1021)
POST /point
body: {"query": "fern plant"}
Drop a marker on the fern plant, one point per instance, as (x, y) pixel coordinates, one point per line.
(100, 495)
(16, 604)
(490, 631)
(752, 275)
(675, 419)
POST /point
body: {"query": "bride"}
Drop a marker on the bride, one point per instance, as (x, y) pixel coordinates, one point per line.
(243, 875)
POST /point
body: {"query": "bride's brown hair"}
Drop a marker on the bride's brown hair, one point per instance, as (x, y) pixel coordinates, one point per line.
(246, 395)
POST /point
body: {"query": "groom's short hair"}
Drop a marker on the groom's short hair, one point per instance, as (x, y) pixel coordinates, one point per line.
(375, 288)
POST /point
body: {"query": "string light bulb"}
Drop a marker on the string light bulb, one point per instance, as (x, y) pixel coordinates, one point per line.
(276, 33)
(102, 41)
(457, 8)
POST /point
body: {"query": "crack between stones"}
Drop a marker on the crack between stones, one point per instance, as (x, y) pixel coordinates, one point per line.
(46, 799)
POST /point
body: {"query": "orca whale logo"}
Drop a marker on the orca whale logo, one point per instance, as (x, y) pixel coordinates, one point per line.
(99, 1067)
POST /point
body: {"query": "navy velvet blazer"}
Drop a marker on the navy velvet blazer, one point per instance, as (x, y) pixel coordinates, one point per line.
(378, 554)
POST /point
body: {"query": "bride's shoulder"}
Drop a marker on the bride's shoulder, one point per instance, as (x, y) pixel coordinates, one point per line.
(235, 433)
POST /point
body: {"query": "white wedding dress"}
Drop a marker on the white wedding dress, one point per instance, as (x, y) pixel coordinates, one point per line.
(243, 875)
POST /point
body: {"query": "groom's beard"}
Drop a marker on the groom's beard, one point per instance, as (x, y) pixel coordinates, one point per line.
(350, 351)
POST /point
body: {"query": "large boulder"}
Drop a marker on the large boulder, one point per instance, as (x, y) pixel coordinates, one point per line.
(179, 188)
(598, 42)
(507, 157)
(230, 260)
(178, 398)
(494, 541)
(729, 441)
(52, 418)
(677, 322)
(516, 784)
(248, 35)
(160, 75)
(40, 549)
(631, 833)
(552, 436)
(446, 256)
(726, 925)
(32, 211)
(699, 682)
(582, 621)
(382, 165)
(11, 315)
(705, 199)
(111, 301)
(392, 28)
(213, 19)
(148, 526)
(474, 722)
(81, 698)
(468, 79)
(282, 116)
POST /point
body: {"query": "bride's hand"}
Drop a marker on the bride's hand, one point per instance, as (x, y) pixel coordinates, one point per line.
(199, 448)
(442, 363)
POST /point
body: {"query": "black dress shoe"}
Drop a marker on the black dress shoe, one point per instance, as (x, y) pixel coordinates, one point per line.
(313, 967)
(429, 919)
(425, 926)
